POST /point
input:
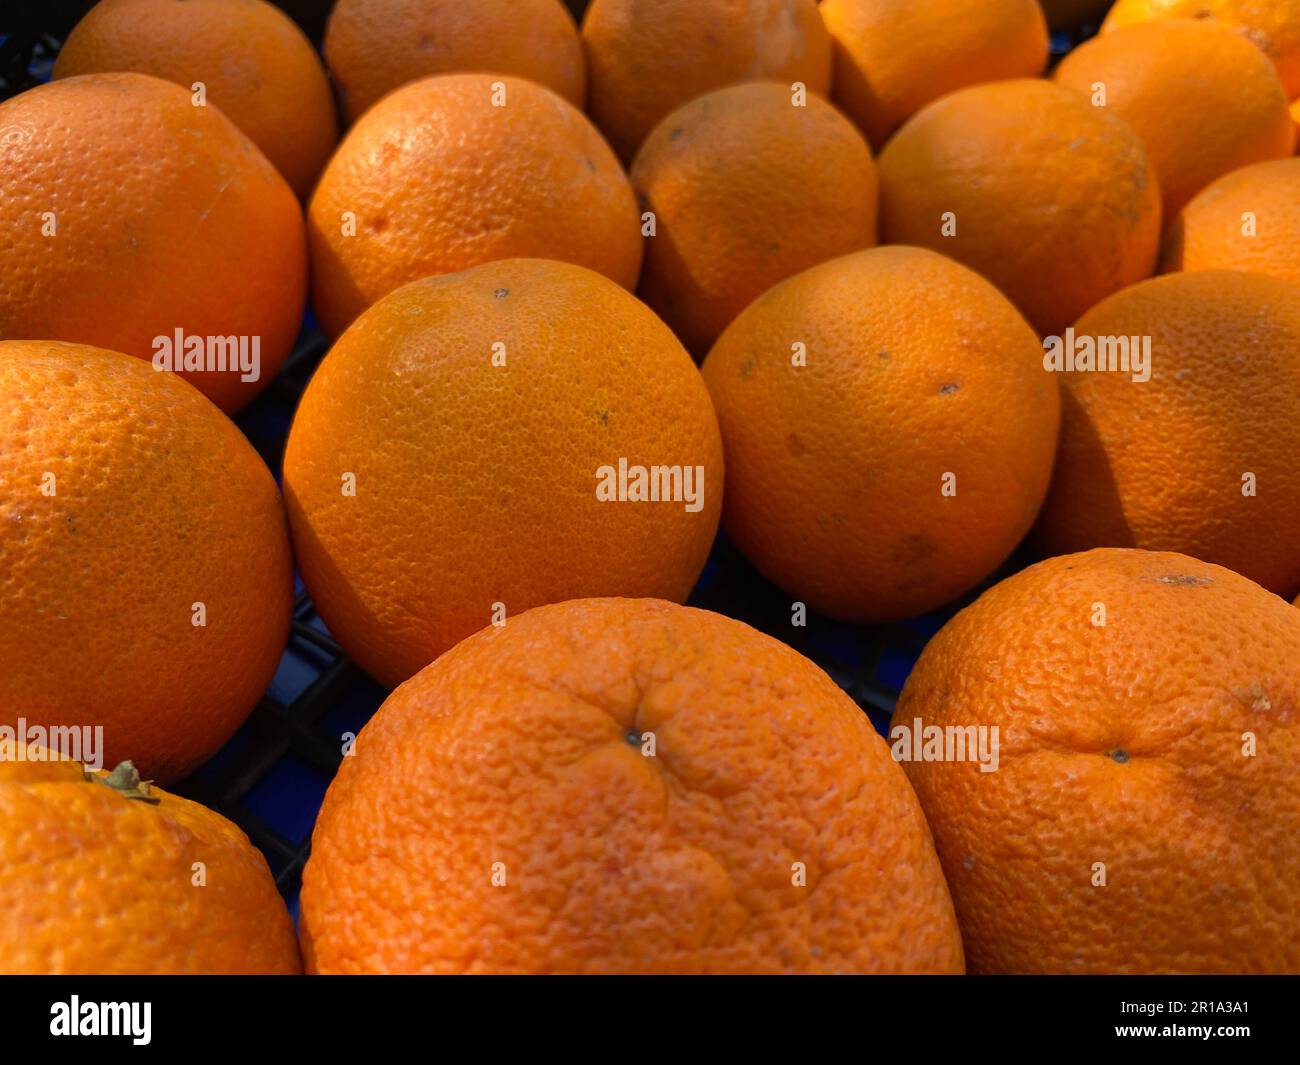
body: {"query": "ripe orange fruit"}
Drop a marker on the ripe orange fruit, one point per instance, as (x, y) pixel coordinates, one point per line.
(746, 190)
(648, 57)
(479, 413)
(1201, 458)
(1053, 200)
(103, 874)
(892, 57)
(130, 214)
(623, 786)
(1203, 99)
(1147, 744)
(375, 46)
(1295, 117)
(454, 171)
(1273, 25)
(907, 456)
(257, 66)
(144, 557)
(1247, 220)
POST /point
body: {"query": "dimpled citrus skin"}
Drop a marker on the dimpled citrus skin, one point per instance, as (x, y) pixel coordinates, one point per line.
(1119, 743)
(1208, 233)
(1203, 99)
(159, 502)
(747, 189)
(645, 58)
(524, 746)
(92, 882)
(374, 46)
(256, 64)
(892, 57)
(1273, 25)
(1161, 464)
(1055, 201)
(166, 217)
(476, 482)
(440, 179)
(915, 368)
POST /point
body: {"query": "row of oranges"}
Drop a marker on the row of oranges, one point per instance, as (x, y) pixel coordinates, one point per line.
(624, 784)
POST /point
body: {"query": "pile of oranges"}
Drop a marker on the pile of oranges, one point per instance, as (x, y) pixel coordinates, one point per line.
(867, 284)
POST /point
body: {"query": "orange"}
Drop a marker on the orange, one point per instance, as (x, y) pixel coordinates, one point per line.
(623, 786)
(746, 190)
(454, 171)
(892, 57)
(888, 429)
(450, 461)
(255, 64)
(1143, 816)
(1201, 458)
(103, 874)
(1273, 25)
(1203, 99)
(1053, 200)
(1295, 117)
(375, 46)
(648, 57)
(1247, 220)
(144, 558)
(130, 214)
